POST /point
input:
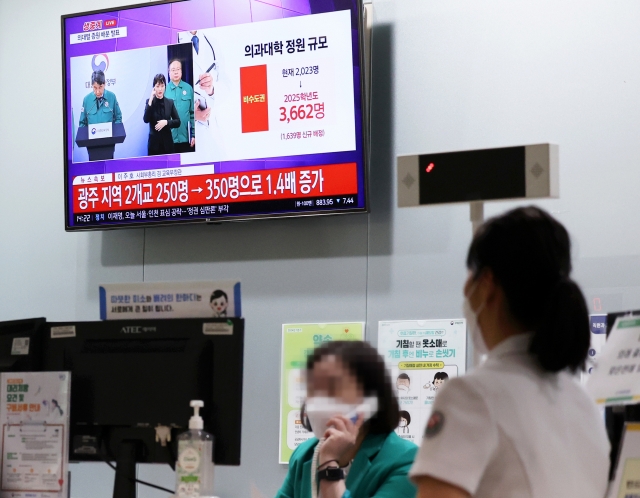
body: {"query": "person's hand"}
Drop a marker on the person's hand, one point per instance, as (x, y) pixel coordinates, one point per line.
(161, 124)
(201, 114)
(193, 142)
(206, 83)
(153, 94)
(340, 437)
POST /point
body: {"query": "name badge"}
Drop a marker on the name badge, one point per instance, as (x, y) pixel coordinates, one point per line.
(184, 92)
(106, 104)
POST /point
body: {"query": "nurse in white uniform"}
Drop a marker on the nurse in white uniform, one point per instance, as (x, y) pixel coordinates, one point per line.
(520, 425)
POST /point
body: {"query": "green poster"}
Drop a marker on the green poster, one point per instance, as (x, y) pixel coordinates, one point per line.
(298, 340)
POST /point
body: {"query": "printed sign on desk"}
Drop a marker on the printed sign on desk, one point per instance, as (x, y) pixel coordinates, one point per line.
(626, 482)
(615, 380)
(298, 341)
(219, 299)
(421, 356)
(34, 413)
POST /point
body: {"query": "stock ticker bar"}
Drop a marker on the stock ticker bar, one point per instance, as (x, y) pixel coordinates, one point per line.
(216, 211)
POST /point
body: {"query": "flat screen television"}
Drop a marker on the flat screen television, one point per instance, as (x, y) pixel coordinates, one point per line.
(207, 110)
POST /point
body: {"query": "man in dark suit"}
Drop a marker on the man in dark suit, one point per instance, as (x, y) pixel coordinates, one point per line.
(161, 114)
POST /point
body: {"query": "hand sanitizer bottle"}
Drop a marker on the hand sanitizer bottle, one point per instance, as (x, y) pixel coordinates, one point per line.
(194, 468)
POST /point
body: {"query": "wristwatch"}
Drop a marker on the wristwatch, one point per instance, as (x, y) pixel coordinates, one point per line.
(331, 474)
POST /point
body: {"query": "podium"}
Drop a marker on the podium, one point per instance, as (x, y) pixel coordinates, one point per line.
(100, 148)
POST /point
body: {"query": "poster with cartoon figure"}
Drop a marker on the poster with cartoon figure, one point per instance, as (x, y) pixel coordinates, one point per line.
(298, 341)
(421, 355)
(34, 412)
(213, 299)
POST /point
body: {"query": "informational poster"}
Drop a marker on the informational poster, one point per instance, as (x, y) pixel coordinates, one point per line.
(615, 380)
(626, 481)
(34, 413)
(421, 356)
(298, 341)
(215, 299)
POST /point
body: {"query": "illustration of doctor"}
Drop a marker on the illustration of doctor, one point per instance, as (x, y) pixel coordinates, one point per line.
(208, 89)
(206, 68)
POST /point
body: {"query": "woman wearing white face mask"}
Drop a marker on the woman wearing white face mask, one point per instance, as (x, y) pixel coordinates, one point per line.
(353, 412)
(519, 425)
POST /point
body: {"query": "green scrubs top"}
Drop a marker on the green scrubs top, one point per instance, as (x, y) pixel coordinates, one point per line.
(94, 112)
(182, 96)
(380, 469)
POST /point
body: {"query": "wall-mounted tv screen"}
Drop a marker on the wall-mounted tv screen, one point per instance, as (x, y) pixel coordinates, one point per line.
(208, 110)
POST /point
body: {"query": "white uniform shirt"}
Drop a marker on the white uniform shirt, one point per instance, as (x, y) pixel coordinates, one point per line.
(509, 430)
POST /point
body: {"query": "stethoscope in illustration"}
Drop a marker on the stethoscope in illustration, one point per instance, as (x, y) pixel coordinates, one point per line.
(214, 56)
(212, 66)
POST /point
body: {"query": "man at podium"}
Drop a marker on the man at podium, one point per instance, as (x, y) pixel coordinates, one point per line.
(99, 107)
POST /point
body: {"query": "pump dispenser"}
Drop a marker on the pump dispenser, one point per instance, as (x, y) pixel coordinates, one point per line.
(194, 468)
(196, 422)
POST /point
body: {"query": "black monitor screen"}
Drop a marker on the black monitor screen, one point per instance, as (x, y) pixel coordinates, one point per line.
(130, 376)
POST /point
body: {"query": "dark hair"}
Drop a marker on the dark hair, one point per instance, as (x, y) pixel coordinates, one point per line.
(175, 59)
(404, 376)
(218, 293)
(159, 78)
(98, 77)
(368, 367)
(440, 376)
(405, 415)
(529, 253)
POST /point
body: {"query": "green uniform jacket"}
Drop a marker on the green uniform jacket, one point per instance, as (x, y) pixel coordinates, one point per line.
(92, 113)
(182, 96)
(380, 469)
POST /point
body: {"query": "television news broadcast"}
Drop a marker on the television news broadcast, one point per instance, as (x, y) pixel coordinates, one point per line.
(203, 111)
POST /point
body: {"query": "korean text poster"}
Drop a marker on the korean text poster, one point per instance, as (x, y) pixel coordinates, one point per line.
(34, 412)
(298, 341)
(614, 378)
(221, 299)
(421, 356)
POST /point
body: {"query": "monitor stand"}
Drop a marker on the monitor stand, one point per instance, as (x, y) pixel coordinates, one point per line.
(125, 484)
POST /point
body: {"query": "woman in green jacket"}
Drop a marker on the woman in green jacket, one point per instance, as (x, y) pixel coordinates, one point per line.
(353, 412)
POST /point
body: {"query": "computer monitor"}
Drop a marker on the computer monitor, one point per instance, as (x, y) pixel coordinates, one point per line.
(130, 376)
(21, 344)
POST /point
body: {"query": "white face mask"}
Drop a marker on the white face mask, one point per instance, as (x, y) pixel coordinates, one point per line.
(322, 409)
(479, 346)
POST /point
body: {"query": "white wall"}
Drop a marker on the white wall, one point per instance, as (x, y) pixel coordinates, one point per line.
(460, 74)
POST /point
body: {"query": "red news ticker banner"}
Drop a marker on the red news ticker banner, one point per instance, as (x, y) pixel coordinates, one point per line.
(264, 185)
(254, 105)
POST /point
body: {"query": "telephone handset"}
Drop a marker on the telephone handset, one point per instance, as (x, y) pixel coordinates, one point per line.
(368, 408)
